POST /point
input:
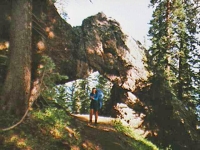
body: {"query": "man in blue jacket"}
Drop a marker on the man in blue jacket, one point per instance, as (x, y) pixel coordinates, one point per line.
(96, 97)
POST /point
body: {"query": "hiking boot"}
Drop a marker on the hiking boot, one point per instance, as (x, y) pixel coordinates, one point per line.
(95, 123)
(90, 122)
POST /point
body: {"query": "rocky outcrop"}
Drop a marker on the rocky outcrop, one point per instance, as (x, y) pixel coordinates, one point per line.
(99, 45)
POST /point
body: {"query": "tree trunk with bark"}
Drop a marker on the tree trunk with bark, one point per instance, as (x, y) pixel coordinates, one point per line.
(18, 79)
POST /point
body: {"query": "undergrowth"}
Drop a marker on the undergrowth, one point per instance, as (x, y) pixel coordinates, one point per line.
(139, 142)
(46, 129)
(54, 129)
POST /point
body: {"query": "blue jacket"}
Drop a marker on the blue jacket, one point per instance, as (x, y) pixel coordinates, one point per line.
(99, 96)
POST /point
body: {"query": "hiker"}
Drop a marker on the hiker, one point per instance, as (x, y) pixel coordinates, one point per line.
(94, 105)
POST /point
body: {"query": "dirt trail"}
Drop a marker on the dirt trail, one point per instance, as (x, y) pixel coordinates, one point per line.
(102, 136)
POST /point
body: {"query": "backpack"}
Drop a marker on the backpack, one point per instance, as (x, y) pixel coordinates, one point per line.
(100, 97)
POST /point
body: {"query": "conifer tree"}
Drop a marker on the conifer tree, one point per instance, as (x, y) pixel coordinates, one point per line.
(173, 35)
(172, 58)
(186, 45)
(17, 85)
(74, 97)
(84, 96)
(160, 34)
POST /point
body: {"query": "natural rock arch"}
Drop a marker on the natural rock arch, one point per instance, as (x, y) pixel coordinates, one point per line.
(100, 45)
(97, 45)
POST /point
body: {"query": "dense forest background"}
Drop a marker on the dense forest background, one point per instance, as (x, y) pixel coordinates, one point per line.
(45, 64)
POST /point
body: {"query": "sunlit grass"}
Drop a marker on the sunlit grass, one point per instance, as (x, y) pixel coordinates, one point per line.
(45, 130)
(139, 142)
(14, 139)
(56, 133)
(52, 128)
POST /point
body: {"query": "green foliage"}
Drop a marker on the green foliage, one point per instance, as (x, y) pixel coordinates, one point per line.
(79, 96)
(45, 129)
(53, 129)
(49, 77)
(83, 93)
(77, 93)
(71, 96)
(139, 142)
(60, 96)
(75, 96)
(174, 47)
(172, 59)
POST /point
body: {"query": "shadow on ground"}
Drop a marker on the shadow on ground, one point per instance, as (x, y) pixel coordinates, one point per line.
(104, 136)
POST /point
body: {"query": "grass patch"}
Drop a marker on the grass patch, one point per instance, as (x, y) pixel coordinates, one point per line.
(54, 129)
(137, 142)
(44, 130)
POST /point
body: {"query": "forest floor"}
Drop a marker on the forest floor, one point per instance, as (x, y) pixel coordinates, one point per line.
(102, 136)
(105, 136)
(53, 129)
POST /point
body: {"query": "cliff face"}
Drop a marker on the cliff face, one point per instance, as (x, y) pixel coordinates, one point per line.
(98, 45)
(105, 48)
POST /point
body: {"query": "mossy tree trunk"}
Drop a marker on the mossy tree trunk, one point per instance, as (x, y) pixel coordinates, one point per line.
(17, 84)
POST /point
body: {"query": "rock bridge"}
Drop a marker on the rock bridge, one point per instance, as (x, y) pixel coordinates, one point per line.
(99, 44)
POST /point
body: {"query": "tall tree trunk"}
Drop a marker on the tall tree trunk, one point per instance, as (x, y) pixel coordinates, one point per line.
(16, 89)
(180, 70)
(168, 38)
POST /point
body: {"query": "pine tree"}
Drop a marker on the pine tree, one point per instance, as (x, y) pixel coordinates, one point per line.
(193, 26)
(159, 61)
(174, 42)
(17, 84)
(84, 96)
(73, 97)
(185, 31)
(172, 60)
